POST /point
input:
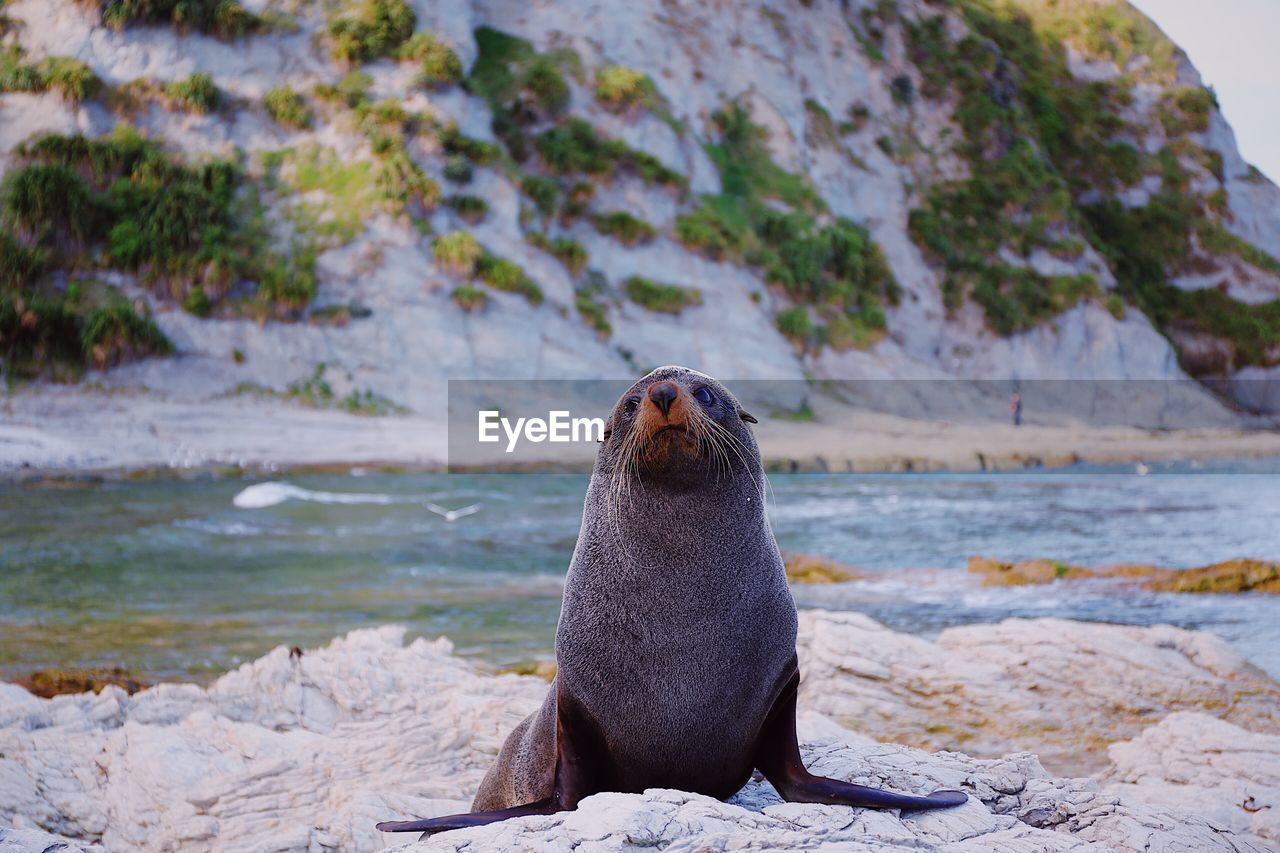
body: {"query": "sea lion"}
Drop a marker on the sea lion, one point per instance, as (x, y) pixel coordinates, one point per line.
(676, 647)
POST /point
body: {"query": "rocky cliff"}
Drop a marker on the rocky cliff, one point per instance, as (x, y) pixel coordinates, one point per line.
(343, 203)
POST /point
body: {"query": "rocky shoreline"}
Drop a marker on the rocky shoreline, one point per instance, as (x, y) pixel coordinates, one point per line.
(1145, 738)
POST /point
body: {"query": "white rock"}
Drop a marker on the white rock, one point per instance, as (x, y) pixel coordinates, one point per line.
(1062, 688)
(1196, 763)
(292, 753)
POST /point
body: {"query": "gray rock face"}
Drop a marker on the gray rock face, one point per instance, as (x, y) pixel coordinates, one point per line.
(305, 753)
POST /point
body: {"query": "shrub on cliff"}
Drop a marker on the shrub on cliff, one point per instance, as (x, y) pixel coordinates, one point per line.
(286, 107)
(56, 331)
(477, 151)
(195, 92)
(471, 208)
(438, 63)
(123, 200)
(226, 19)
(662, 298)
(116, 332)
(794, 323)
(75, 80)
(544, 192)
(619, 87)
(50, 202)
(567, 250)
(457, 252)
(622, 226)
(372, 29)
(502, 274)
(576, 147)
(469, 298)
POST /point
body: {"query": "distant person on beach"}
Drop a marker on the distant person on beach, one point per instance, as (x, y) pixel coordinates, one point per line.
(1015, 406)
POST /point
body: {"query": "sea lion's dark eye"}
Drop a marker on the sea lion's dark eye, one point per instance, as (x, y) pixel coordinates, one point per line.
(704, 395)
(630, 406)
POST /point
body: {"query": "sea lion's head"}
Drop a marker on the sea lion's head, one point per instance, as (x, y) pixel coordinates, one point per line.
(679, 426)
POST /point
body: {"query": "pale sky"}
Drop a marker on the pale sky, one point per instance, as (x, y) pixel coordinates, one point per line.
(1233, 43)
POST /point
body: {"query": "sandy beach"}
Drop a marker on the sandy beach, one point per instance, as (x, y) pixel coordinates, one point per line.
(52, 429)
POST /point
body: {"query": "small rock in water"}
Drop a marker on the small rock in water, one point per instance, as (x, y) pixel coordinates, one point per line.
(812, 568)
(47, 683)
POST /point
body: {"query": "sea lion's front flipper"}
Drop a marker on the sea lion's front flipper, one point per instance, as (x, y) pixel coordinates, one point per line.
(429, 826)
(777, 756)
(581, 768)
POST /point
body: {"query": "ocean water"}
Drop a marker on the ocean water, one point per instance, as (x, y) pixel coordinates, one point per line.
(185, 578)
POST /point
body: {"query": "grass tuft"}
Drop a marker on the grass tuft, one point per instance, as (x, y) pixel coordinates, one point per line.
(470, 298)
(662, 298)
(586, 301)
(471, 208)
(574, 147)
(622, 226)
(370, 30)
(195, 93)
(439, 65)
(501, 274)
(73, 79)
(619, 87)
(286, 107)
(567, 250)
(224, 19)
(458, 252)
(544, 192)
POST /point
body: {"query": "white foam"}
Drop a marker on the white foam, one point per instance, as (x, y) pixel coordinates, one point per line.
(261, 495)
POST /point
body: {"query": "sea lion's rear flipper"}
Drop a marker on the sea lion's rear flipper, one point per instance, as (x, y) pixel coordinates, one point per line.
(777, 756)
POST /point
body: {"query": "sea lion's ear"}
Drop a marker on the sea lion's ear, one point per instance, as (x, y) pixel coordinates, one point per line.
(608, 431)
(747, 416)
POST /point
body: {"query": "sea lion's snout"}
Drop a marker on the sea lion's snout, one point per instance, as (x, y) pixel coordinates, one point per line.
(664, 412)
(663, 394)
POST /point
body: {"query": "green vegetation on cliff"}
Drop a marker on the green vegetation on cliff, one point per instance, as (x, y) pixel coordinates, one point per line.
(226, 19)
(73, 79)
(194, 93)
(286, 107)
(438, 64)
(1038, 140)
(370, 29)
(567, 250)
(575, 147)
(56, 329)
(192, 232)
(626, 229)
(587, 299)
(834, 267)
(528, 96)
(662, 298)
(521, 85)
(462, 255)
(1030, 131)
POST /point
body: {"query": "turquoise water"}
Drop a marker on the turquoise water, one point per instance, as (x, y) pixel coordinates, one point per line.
(171, 579)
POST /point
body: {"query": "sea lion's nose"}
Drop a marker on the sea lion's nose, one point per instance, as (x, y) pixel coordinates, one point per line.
(663, 394)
